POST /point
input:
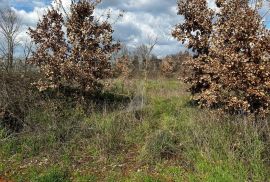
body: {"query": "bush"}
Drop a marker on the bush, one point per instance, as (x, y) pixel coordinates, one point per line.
(122, 67)
(77, 57)
(168, 66)
(174, 65)
(230, 67)
(17, 98)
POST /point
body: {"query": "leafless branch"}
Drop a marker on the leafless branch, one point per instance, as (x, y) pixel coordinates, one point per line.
(10, 25)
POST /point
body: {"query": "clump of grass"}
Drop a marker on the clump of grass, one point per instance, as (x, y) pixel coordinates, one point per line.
(108, 133)
(53, 175)
(215, 144)
(142, 176)
(3, 133)
(162, 144)
(88, 178)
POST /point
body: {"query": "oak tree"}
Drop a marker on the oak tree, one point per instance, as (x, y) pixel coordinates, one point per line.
(230, 66)
(73, 50)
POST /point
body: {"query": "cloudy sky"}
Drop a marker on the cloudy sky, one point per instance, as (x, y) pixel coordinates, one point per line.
(142, 20)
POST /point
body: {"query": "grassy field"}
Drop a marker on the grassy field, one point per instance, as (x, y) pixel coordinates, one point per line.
(157, 135)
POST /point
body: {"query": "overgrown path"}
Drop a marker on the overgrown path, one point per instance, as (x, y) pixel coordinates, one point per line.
(169, 139)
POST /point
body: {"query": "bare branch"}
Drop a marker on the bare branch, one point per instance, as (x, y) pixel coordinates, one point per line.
(10, 25)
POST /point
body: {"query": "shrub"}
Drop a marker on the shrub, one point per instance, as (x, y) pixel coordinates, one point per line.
(174, 64)
(196, 31)
(17, 98)
(231, 62)
(168, 66)
(123, 67)
(77, 57)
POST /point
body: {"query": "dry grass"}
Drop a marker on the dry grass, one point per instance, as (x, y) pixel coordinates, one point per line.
(163, 139)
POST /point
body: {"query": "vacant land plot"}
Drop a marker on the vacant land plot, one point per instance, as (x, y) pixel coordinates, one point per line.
(142, 132)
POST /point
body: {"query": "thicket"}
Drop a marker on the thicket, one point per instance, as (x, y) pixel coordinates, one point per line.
(173, 65)
(131, 65)
(230, 67)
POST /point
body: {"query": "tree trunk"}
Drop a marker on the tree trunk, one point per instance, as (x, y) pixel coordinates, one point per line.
(10, 54)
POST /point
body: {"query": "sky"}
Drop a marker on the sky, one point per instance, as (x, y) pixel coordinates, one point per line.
(143, 20)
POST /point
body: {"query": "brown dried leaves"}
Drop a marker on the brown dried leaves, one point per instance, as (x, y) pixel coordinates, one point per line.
(231, 65)
(75, 57)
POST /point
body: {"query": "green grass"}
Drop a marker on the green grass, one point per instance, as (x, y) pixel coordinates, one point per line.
(53, 175)
(170, 141)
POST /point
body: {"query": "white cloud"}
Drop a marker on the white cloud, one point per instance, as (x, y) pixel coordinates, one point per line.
(142, 18)
(30, 18)
(147, 18)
